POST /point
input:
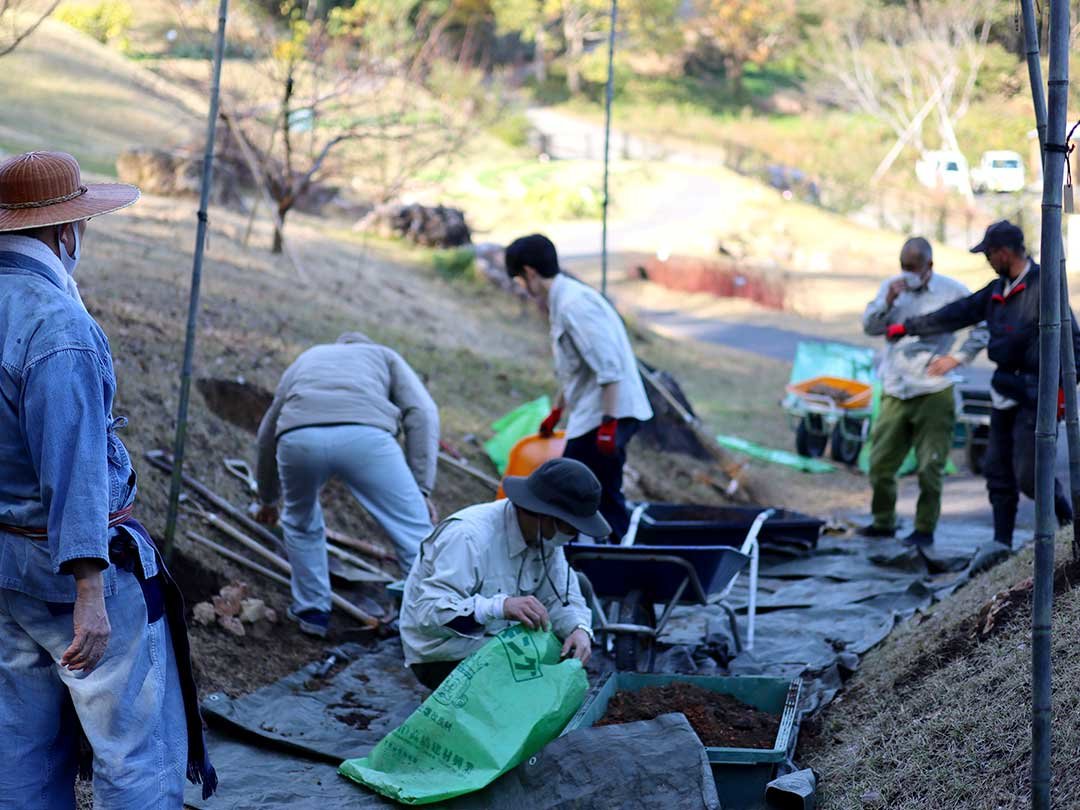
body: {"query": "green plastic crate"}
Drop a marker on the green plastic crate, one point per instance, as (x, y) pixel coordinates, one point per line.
(741, 774)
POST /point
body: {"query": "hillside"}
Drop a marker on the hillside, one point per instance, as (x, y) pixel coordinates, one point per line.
(939, 715)
(85, 98)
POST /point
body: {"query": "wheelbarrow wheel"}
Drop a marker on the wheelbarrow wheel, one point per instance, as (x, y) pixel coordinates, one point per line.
(976, 449)
(811, 436)
(635, 653)
(844, 448)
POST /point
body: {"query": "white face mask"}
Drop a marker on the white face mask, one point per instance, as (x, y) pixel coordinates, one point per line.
(913, 281)
(556, 540)
(69, 260)
(561, 538)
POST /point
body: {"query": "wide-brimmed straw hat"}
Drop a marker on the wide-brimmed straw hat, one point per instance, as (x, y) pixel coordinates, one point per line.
(45, 188)
(564, 489)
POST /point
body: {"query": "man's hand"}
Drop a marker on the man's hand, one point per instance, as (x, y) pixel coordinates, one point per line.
(895, 289)
(578, 645)
(940, 366)
(433, 513)
(606, 435)
(89, 619)
(547, 427)
(895, 331)
(267, 515)
(528, 610)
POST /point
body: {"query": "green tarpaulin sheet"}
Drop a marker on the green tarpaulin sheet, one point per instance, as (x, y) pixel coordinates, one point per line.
(793, 460)
(515, 426)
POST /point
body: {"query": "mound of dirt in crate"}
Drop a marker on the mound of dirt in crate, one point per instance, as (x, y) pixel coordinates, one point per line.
(720, 721)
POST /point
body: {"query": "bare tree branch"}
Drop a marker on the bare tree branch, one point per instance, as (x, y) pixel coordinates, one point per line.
(12, 7)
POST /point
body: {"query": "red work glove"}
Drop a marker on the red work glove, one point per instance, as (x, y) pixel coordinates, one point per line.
(605, 436)
(1061, 404)
(547, 427)
(895, 332)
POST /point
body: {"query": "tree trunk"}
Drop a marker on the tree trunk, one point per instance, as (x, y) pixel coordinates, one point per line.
(575, 48)
(733, 72)
(278, 247)
(540, 54)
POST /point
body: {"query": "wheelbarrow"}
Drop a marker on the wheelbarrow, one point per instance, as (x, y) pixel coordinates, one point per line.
(824, 409)
(625, 584)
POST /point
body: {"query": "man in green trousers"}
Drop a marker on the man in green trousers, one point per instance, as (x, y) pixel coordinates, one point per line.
(917, 406)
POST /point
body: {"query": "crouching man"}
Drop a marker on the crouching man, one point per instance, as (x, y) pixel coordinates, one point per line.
(495, 564)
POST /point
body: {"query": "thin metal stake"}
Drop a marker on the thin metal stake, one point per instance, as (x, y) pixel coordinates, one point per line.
(609, 94)
(196, 280)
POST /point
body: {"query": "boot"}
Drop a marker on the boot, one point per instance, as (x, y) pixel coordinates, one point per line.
(1004, 521)
(1063, 510)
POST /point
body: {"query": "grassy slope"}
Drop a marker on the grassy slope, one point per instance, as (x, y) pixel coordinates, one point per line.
(62, 88)
(937, 719)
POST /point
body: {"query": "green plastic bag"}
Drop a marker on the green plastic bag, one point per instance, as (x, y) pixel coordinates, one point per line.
(783, 457)
(500, 706)
(515, 426)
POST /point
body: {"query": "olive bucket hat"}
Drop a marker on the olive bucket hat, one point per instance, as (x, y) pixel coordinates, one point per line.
(564, 489)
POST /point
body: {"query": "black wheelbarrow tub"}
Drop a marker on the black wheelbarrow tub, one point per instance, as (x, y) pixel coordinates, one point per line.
(670, 524)
(657, 571)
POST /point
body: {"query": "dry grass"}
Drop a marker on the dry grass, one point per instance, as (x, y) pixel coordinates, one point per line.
(64, 90)
(936, 719)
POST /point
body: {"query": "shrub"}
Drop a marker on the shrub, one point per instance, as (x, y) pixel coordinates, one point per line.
(513, 129)
(106, 20)
(455, 262)
(558, 201)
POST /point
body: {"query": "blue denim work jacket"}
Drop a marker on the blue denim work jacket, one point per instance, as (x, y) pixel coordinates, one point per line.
(62, 466)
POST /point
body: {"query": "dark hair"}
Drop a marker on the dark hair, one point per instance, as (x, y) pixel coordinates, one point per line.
(535, 251)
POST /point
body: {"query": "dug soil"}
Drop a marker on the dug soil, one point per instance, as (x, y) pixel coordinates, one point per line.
(720, 721)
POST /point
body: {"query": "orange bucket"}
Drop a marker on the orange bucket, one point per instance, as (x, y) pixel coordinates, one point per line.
(530, 452)
(858, 395)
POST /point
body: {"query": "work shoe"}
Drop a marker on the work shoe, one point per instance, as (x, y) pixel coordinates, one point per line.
(920, 539)
(312, 622)
(875, 531)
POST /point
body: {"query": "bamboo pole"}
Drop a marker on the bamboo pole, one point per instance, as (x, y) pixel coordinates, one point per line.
(609, 94)
(467, 468)
(363, 546)
(196, 281)
(1068, 355)
(1054, 153)
(161, 460)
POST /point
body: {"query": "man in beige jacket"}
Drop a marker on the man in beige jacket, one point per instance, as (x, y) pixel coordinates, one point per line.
(337, 412)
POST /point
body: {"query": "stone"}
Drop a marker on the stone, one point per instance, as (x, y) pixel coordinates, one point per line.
(203, 613)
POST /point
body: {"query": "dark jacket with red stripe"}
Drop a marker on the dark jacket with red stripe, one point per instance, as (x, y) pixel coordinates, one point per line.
(1013, 323)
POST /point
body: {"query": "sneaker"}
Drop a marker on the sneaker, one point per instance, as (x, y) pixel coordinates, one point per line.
(312, 622)
(920, 539)
(875, 531)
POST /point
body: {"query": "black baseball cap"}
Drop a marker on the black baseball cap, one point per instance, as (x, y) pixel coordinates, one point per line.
(1001, 234)
(564, 489)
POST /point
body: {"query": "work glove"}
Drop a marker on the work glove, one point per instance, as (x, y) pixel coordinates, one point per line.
(895, 332)
(547, 427)
(605, 436)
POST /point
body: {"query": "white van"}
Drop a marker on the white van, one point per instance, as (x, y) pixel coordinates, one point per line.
(999, 170)
(942, 168)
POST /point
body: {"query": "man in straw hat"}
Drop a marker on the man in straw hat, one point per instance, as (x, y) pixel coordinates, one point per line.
(494, 564)
(92, 632)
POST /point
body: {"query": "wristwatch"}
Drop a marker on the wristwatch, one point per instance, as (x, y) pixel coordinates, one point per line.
(588, 631)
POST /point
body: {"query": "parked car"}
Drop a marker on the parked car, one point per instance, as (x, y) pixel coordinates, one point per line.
(942, 168)
(999, 170)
